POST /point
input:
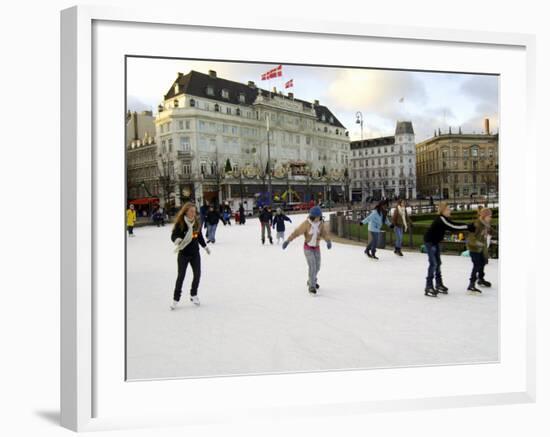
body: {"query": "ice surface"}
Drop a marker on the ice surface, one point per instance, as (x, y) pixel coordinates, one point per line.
(256, 315)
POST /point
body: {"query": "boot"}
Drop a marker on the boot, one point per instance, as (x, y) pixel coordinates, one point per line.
(263, 240)
(270, 240)
(367, 252)
(483, 283)
(441, 288)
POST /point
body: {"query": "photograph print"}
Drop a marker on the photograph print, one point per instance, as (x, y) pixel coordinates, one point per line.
(286, 218)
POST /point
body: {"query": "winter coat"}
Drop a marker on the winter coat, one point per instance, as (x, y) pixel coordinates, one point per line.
(130, 217)
(376, 220)
(304, 230)
(397, 219)
(436, 231)
(477, 240)
(212, 217)
(192, 248)
(279, 222)
(266, 217)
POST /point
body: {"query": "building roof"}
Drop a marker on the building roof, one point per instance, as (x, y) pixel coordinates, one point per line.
(452, 136)
(372, 142)
(404, 127)
(195, 83)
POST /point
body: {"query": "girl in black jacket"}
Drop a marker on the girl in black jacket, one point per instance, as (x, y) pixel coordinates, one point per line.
(187, 236)
(432, 239)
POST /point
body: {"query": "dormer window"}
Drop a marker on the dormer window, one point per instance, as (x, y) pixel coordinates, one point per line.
(210, 90)
(332, 119)
(323, 118)
(242, 98)
(176, 88)
(225, 94)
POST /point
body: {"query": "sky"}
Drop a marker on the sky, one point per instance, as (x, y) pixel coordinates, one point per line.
(430, 100)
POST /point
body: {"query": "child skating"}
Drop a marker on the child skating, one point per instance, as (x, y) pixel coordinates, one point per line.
(187, 236)
(279, 224)
(478, 246)
(131, 220)
(313, 231)
(376, 219)
(432, 240)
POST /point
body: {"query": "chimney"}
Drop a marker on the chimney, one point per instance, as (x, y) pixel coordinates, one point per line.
(274, 90)
(136, 136)
(450, 132)
(487, 130)
(251, 84)
(316, 102)
(459, 130)
(291, 95)
(212, 73)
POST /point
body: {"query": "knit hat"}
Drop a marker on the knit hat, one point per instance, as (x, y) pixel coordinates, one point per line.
(315, 212)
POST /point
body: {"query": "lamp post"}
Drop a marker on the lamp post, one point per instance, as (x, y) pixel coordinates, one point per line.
(359, 120)
(268, 159)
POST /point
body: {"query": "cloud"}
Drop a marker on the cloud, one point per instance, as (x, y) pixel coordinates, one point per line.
(377, 91)
(482, 88)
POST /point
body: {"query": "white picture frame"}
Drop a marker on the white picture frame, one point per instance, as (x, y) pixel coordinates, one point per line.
(87, 376)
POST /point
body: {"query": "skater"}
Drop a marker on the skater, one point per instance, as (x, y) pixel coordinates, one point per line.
(242, 218)
(432, 239)
(279, 221)
(266, 220)
(131, 219)
(187, 236)
(226, 215)
(203, 211)
(402, 223)
(376, 219)
(313, 230)
(212, 220)
(478, 246)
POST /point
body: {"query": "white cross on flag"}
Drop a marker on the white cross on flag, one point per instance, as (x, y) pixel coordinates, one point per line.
(289, 84)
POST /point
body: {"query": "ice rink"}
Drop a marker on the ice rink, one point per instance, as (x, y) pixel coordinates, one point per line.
(256, 315)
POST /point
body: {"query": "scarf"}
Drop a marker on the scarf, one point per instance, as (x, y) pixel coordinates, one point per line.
(188, 235)
(314, 232)
(402, 213)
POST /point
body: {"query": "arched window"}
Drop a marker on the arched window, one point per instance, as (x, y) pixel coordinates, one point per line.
(176, 103)
(217, 107)
(192, 103)
(238, 111)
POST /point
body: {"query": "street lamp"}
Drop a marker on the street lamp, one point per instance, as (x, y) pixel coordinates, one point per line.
(268, 159)
(359, 120)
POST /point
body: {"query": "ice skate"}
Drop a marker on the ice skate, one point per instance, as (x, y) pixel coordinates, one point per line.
(483, 283)
(472, 289)
(316, 285)
(195, 300)
(367, 252)
(430, 291)
(312, 291)
(174, 305)
(270, 240)
(442, 289)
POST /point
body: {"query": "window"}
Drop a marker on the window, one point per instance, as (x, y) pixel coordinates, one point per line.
(170, 145)
(187, 124)
(238, 111)
(180, 123)
(185, 145)
(228, 110)
(203, 168)
(217, 107)
(210, 90)
(242, 98)
(186, 169)
(202, 125)
(225, 94)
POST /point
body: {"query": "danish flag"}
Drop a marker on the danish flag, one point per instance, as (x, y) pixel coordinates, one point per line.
(289, 84)
(274, 72)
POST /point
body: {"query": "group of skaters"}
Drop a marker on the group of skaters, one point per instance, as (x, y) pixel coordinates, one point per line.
(187, 238)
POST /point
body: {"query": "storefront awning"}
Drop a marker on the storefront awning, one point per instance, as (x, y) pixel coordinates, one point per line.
(144, 201)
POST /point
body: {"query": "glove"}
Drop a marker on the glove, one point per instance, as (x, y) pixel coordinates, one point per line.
(207, 249)
(285, 244)
(329, 244)
(178, 241)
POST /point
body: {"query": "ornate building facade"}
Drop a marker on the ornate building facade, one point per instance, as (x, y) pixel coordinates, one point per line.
(457, 165)
(385, 167)
(215, 136)
(142, 176)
